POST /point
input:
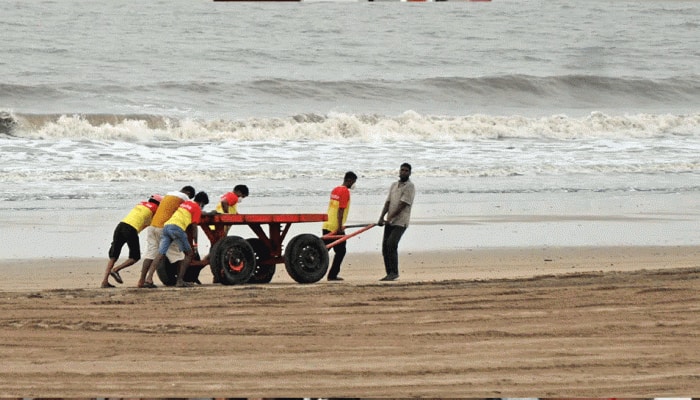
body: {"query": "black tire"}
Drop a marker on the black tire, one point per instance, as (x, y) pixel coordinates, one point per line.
(233, 260)
(213, 264)
(263, 271)
(192, 273)
(167, 272)
(306, 258)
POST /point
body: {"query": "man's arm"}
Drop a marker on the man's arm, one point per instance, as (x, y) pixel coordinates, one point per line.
(384, 211)
(339, 216)
(192, 232)
(400, 208)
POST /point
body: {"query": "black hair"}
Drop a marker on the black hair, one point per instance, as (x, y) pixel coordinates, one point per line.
(202, 198)
(407, 165)
(188, 190)
(242, 189)
(350, 176)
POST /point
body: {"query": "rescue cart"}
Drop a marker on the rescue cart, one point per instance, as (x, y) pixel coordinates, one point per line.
(234, 260)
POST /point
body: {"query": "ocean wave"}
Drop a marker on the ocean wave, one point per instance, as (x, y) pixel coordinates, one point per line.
(587, 86)
(9, 91)
(517, 81)
(435, 95)
(575, 90)
(408, 126)
(7, 123)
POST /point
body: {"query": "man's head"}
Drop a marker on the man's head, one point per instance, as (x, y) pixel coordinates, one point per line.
(156, 199)
(241, 191)
(404, 172)
(349, 179)
(202, 199)
(188, 190)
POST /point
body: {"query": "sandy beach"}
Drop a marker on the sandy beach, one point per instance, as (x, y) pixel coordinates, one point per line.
(553, 249)
(519, 322)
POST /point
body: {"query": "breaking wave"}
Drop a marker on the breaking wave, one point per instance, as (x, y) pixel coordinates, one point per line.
(333, 127)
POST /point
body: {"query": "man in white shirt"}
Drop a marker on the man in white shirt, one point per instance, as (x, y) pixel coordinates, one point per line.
(397, 210)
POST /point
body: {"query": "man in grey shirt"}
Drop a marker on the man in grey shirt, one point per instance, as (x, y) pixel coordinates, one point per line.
(397, 210)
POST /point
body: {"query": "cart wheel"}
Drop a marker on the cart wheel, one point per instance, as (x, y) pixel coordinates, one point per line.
(263, 272)
(215, 270)
(306, 258)
(233, 262)
(193, 270)
(167, 272)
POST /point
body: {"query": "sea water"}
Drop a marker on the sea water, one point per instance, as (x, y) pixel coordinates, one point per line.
(527, 123)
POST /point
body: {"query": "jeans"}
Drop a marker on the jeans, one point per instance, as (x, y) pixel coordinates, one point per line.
(390, 248)
(173, 233)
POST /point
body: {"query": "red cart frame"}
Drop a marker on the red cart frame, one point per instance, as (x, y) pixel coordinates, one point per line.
(278, 227)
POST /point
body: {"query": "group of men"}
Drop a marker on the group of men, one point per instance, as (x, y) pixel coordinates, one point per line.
(171, 218)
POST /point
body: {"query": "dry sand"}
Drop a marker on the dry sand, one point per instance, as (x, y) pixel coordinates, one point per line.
(523, 322)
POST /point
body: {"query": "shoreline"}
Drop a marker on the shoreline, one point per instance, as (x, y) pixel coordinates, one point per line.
(481, 264)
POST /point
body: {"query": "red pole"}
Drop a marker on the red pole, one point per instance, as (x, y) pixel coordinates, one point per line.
(343, 238)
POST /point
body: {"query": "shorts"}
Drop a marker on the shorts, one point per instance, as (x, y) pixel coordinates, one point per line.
(173, 234)
(153, 242)
(125, 234)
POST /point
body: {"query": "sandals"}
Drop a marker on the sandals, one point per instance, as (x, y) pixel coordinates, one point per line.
(116, 276)
(107, 285)
(149, 285)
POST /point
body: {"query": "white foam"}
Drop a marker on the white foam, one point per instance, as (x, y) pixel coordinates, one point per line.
(409, 126)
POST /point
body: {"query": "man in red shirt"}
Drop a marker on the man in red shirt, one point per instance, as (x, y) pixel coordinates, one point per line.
(338, 209)
(229, 200)
(175, 230)
(228, 204)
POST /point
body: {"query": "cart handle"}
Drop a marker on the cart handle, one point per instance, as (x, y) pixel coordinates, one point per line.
(342, 238)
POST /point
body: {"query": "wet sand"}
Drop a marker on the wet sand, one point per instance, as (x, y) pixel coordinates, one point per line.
(520, 322)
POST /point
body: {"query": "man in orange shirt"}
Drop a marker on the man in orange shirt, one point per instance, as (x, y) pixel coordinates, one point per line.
(127, 232)
(175, 231)
(338, 209)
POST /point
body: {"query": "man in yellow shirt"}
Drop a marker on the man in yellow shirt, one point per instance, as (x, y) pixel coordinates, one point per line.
(338, 209)
(228, 204)
(127, 232)
(229, 201)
